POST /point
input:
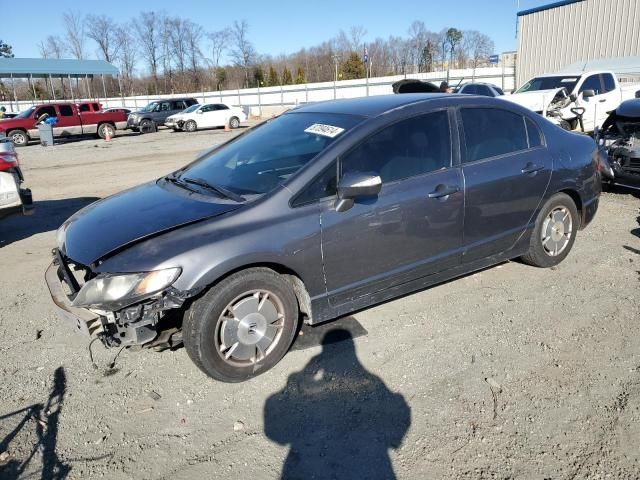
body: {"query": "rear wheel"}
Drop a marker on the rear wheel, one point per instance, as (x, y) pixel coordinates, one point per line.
(234, 122)
(18, 137)
(105, 129)
(243, 326)
(554, 233)
(190, 126)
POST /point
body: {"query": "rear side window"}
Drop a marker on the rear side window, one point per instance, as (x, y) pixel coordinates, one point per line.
(191, 101)
(221, 107)
(609, 82)
(533, 133)
(470, 90)
(411, 147)
(592, 83)
(489, 132)
(484, 90)
(65, 110)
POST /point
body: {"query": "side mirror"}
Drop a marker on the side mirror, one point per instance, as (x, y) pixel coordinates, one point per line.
(355, 185)
(199, 112)
(637, 94)
(588, 93)
(573, 97)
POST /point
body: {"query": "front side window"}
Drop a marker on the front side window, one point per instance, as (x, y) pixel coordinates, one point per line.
(96, 107)
(592, 83)
(490, 132)
(265, 157)
(411, 147)
(484, 90)
(84, 107)
(49, 110)
(204, 109)
(165, 106)
(324, 185)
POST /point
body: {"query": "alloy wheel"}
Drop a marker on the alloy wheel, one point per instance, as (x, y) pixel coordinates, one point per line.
(556, 231)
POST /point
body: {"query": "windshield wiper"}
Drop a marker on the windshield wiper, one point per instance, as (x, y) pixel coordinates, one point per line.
(223, 192)
(178, 181)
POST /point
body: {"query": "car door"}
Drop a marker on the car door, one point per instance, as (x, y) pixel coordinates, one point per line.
(68, 122)
(208, 117)
(49, 110)
(413, 228)
(506, 170)
(610, 94)
(223, 113)
(595, 110)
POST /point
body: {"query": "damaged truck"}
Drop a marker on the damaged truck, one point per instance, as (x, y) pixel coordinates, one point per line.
(574, 99)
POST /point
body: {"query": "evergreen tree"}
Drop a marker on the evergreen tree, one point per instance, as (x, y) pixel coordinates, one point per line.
(300, 76)
(273, 80)
(353, 67)
(287, 79)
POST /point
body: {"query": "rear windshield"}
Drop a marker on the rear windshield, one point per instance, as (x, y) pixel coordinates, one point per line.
(262, 159)
(549, 83)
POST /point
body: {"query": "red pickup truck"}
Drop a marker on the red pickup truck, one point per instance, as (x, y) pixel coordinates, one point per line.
(72, 119)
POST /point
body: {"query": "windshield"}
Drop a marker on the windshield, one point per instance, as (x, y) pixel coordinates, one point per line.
(265, 157)
(27, 113)
(549, 83)
(192, 108)
(153, 106)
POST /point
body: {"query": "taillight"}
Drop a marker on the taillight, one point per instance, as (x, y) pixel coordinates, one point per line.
(8, 160)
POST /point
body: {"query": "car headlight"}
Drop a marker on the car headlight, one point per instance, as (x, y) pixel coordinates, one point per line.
(114, 291)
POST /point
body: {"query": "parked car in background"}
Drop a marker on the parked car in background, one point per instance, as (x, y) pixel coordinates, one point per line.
(327, 209)
(206, 116)
(117, 109)
(478, 88)
(13, 198)
(619, 141)
(564, 97)
(70, 122)
(7, 115)
(147, 119)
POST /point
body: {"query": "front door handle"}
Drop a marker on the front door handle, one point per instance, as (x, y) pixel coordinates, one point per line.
(443, 190)
(531, 168)
(603, 100)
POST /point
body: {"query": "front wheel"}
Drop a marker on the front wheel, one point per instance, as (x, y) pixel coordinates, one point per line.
(18, 137)
(147, 126)
(554, 233)
(190, 126)
(243, 326)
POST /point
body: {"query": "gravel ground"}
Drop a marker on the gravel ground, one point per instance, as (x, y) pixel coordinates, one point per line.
(513, 372)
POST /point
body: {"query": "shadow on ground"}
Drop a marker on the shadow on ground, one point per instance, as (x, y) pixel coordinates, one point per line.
(45, 417)
(338, 419)
(48, 216)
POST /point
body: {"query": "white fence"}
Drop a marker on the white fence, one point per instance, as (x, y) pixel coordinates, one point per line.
(266, 101)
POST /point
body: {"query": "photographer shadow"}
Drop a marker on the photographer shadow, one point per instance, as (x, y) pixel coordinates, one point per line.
(338, 419)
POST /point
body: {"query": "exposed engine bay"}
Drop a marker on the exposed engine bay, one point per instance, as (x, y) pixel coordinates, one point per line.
(619, 142)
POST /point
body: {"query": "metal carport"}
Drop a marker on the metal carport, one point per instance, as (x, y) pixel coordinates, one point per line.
(48, 68)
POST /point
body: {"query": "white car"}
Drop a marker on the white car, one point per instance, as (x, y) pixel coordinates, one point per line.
(13, 198)
(208, 115)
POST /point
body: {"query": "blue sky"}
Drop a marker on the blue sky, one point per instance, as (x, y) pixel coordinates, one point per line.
(286, 25)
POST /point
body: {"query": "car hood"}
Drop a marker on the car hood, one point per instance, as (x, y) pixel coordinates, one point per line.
(121, 220)
(534, 100)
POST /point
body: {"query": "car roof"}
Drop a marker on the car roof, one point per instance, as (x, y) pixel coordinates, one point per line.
(369, 106)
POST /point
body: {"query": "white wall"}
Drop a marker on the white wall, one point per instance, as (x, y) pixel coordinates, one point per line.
(270, 100)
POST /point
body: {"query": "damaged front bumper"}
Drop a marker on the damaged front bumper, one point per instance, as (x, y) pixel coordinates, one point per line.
(138, 324)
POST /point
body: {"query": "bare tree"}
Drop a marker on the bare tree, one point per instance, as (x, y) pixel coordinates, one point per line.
(104, 31)
(243, 52)
(356, 34)
(165, 47)
(193, 36)
(218, 43)
(480, 47)
(52, 47)
(149, 39)
(128, 53)
(74, 33)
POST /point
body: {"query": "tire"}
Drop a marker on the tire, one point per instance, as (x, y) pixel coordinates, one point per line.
(234, 122)
(18, 137)
(190, 126)
(102, 130)
(209, 323)
(147, 126)
(565, 125)
(558, 223)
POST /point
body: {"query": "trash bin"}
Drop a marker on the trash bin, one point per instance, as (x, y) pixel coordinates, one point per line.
(46, 134)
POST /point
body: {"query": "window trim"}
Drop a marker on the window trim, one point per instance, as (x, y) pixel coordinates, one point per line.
(293, 203)
(463, 141)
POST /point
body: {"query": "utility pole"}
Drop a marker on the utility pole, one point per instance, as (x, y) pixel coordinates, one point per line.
(336, 59)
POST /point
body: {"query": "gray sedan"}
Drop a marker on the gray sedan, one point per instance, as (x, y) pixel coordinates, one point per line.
(328, 209)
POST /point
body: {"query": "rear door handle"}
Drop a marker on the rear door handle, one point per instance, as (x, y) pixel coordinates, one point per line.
(603, 100)
(443, 190)
(532, 168)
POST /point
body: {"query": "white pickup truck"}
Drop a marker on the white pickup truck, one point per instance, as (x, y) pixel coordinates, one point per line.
(565, 97)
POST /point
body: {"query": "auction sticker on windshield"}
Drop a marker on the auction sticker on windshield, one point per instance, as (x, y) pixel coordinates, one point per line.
(324, 130)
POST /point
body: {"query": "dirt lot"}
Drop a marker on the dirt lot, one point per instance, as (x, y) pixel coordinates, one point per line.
(513, 372)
